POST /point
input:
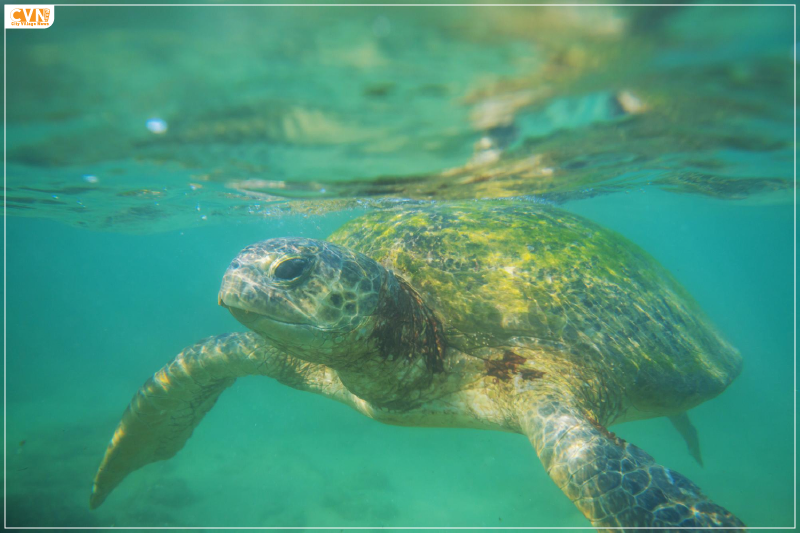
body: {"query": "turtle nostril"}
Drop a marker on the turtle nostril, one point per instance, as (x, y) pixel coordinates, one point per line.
(290, 269)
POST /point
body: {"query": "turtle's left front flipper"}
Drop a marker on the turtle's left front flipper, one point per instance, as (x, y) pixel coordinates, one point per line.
(164, 412)
(613, 483)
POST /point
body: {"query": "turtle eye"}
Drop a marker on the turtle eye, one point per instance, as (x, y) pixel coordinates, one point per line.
(290, 269)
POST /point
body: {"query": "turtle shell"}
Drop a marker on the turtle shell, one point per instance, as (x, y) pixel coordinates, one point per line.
(509, 273)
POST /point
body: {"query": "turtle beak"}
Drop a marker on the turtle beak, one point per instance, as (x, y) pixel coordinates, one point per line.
(238, 313)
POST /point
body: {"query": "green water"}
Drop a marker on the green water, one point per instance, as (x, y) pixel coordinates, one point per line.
(671, 126)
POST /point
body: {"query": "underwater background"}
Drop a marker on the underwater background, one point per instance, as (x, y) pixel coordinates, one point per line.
(147, 146)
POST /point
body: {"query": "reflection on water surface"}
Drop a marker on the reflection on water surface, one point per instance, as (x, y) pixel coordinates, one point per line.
(136, 125)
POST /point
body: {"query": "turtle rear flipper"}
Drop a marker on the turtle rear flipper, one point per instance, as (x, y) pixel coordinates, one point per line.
(689, 433)
(613, 483)
(164, 412)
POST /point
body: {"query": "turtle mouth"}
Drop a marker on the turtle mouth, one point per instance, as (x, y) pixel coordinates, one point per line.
(266, 323)
(247, 317)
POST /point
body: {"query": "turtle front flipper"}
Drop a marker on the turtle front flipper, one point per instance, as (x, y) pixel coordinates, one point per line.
(613, 483)
(165, 411)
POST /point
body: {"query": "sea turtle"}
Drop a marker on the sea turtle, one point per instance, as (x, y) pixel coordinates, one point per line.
(500, 315)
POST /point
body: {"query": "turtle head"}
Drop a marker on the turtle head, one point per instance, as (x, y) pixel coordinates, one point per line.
(311, 298)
